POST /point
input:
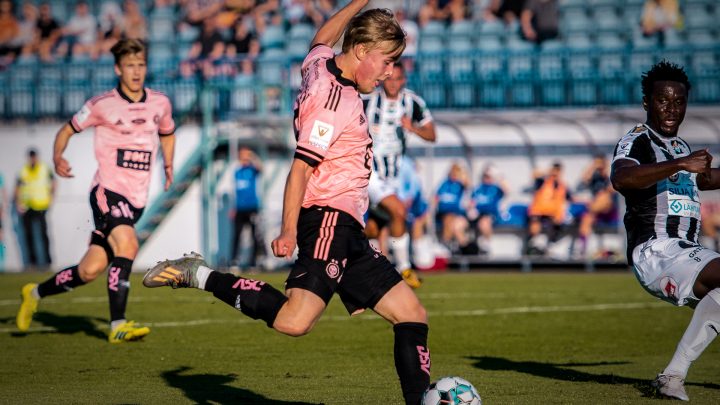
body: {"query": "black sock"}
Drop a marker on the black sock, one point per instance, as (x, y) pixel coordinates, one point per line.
(63, 281)
(253, 298)
(412, 360)
(119, 286)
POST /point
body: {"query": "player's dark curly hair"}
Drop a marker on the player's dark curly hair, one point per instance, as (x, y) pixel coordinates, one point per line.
(663, 71)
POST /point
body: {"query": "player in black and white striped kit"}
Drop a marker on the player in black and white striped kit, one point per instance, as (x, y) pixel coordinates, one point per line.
(661, 180)
(393, 113)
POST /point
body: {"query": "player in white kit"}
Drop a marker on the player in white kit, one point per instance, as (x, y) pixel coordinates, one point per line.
(660, 179)
(395, 112)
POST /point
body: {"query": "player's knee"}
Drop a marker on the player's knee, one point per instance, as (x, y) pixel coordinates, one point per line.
(293, 328)
(414, 313)
(126, 247)
(89, 273)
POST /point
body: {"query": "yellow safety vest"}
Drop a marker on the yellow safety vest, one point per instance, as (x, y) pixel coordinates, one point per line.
(35, 187)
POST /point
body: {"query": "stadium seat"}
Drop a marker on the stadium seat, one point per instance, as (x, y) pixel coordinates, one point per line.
(49, 99)
(74, 96)
(575, 20)
(433, 29)
(515, 216)
(697, 16)
(606, 19)
(188, 33)
(491, 29)
(270, 67)
(272, 38)
(185, 95)
(461, 30)
(302, 31)
(243, 95)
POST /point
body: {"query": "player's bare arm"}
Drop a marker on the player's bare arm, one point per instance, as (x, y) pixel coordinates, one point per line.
(300, 172)
(628, 175)
(167, 144)
(333, 28)
(426, 132)
(62, 167)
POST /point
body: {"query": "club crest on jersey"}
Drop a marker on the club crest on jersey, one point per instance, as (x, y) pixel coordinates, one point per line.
(624, 148)
(332, 269)
(677, 147)
(669, 287)
(134, 159)
(321, 134)
(83, 114)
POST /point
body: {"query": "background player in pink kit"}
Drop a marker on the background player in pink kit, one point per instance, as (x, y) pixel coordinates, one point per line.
(130, 122)
(325, 199)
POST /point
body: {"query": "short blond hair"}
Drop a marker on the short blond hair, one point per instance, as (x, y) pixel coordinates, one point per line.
(128, 47)
(373, 28)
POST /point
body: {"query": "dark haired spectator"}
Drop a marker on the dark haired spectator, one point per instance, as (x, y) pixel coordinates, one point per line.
(442, 10)
(135, 24)
(80, 33)
(485, 205)
(208, 48)
(320, 10)
(9, 29)
(243, 46)
(199, 11)
(548, 208)
(47, 33)
(540, 20)
(659, 16)
(602, 207)
(507, 10)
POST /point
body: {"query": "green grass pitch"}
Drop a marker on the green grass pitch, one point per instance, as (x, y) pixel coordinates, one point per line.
(552, 338)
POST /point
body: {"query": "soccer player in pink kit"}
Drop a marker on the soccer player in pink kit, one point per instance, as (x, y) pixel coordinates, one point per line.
(325, 199)
(130, 122)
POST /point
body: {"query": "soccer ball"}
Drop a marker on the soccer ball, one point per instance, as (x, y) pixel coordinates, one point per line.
(451, 391)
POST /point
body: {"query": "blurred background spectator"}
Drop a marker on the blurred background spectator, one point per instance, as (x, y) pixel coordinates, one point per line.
(485, 205)
(243, 47)
(506, 10)
(134, 24)
(111, 26)
(450, 211)
(79, 34)
(247, 206)
(9, 29)
(602, 207)
(207, 48)
(540, 20)
(47, 33)
(548, 210)
(659, 16)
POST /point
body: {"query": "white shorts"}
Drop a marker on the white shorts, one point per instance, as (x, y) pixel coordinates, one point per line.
(667, 268)
(380, 189)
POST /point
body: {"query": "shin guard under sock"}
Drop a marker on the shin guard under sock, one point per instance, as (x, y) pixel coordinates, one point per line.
(412, 360)
(119, 286)
(63, 281)
(253, 298)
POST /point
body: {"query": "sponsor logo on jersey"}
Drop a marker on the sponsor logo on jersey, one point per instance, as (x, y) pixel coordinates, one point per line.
(674, 178)
(668, 286)
(321, 134)
(156, 118)
(139, 121)
(119, 122)
(134, 159)
(624, 148)
(332, 269)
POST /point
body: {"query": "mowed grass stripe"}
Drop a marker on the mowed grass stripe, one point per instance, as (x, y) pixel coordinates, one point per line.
(461, 313)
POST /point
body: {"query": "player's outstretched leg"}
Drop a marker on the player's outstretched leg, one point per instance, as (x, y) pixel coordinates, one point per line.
(701, 331)
(63, 281)
(253, 298)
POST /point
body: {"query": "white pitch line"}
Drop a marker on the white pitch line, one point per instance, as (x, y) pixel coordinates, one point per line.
(476, 312)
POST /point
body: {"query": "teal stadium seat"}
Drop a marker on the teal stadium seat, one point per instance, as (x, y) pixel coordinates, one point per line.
(432, 29)
(575, 20)
(301, 31)
(242, 98)
(74, 96)
(460, 30)
(185, 94)
(272, 38)
(606, 18)
(162, 28)
(698, 16)
(271, 64)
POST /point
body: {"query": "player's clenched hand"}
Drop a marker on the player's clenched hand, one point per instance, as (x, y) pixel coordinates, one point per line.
(168, 177)
(62, 167)
(698, 161)
(284, 245)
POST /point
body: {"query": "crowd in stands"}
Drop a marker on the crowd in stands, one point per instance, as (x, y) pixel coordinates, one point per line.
(237, 30)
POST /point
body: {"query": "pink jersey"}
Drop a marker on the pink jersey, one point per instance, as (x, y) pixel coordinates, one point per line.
(332, 136)
(126, 139)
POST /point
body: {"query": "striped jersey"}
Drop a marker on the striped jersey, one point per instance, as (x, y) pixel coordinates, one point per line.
(670, 208)
(332, 136)
(386, 128)
(126, 139)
